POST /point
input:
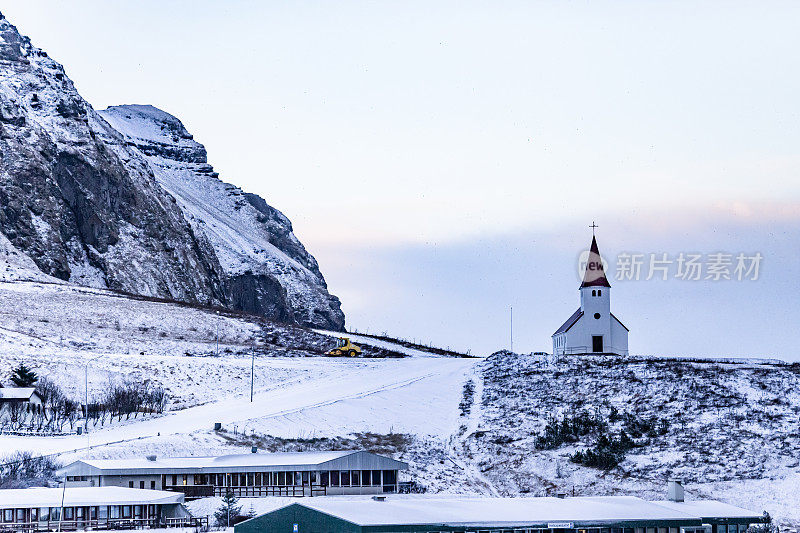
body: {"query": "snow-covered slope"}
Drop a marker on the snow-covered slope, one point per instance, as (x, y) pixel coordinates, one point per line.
(715, 425)
(266, 269)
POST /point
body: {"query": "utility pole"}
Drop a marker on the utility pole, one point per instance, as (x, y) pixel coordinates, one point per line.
(216, 335)
(252, 369)
(512, 329)
(86, 399)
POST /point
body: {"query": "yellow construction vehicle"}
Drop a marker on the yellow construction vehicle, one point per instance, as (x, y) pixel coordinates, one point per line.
(344, 348)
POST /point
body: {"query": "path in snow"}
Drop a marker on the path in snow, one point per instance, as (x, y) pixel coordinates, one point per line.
(401, 394)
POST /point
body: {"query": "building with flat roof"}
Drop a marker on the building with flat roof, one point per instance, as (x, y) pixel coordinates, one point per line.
(614, 514)
(253, 474)
(91, 508)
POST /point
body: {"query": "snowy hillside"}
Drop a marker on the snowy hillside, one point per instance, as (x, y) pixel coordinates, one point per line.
(716, 425)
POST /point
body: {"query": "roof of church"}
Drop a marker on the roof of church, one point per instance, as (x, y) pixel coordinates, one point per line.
(595, 275)
(570, 322)
(620, 322)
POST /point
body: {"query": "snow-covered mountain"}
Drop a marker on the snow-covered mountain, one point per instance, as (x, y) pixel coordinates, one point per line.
(136, 210)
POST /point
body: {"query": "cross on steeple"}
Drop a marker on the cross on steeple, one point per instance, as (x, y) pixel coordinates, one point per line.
(593, 226)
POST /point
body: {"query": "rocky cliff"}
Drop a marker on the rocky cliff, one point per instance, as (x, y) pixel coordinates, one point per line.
(134, 206)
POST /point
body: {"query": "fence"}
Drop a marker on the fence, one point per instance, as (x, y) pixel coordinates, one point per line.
(103, 524)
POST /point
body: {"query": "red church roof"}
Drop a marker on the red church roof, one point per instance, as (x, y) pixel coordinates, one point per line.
(595, 275)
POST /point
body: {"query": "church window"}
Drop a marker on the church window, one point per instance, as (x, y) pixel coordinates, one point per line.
(594, 293)
(597, 315)
(599, 293)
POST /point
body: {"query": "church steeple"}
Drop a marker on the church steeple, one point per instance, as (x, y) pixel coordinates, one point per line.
(595, 275)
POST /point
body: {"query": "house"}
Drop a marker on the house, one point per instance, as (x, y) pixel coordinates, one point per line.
(24, 397)
(422, 514)
(91, 508)
(253, 474)
(593, 328)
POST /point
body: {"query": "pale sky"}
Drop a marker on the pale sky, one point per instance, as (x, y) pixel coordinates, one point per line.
(442, 160)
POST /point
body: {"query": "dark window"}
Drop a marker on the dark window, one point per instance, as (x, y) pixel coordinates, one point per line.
(126, 511)
(389, 477)
(281, 478)
(152, 484)
(141, 484)
(345, 478)
(355, 478)
(259, 481)
(594, 293)
(174, 479)
(130, 484)
(69, 513)
(324, 479)
(597, 315)
(366, 478)
(376, 478)
(334, 478)
(599, 293)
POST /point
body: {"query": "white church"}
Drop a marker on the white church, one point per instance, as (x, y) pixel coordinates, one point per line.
(593, 328)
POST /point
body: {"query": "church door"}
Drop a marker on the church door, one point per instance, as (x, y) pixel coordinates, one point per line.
(597, 343)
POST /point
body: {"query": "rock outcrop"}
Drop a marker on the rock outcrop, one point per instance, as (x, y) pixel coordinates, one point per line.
(106, 206)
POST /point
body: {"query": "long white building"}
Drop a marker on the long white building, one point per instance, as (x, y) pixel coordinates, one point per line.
(254, 474)
(73, 508)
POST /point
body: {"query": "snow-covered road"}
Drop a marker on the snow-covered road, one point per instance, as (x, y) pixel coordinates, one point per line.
(417, 395)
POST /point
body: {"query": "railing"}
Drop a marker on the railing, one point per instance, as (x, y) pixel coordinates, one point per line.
(240, 491)
(266, 490)
(103, 524)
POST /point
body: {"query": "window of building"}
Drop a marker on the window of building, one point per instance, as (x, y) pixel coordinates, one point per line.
(281, 478)
(141, 484)
(185, 479)
(44, 514)
(102, 512)
(599, 293)
(8, 515)
(69, 513)
(324, 478)
(137, 511)
(259, 479)
(355, 478)
(345, 478)
(55, 514)
(597, 315)
(130, 484)
(152, 484)
(126, 511)
(334, 478)
(366, 478)
(376, 478)
(174, 479)
(79, 513)
(389, 477)
(594, 293)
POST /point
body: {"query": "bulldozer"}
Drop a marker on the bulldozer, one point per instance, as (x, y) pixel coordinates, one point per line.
(344, 348)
